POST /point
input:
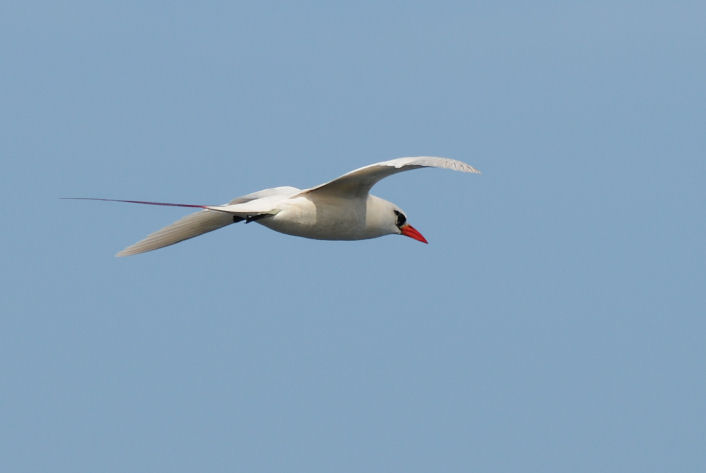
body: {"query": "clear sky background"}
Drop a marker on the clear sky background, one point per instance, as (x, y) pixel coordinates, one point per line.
(555, 322)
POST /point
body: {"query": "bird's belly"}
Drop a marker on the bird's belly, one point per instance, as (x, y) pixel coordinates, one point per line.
(321, 221)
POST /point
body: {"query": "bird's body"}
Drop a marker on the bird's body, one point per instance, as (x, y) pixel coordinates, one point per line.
(330, 217)
(342, 209)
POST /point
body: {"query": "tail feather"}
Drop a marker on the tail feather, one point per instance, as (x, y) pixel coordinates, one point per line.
(167, 204)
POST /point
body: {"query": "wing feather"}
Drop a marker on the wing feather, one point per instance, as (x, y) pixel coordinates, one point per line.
(212, 217)
(358, 182)
(192, 225)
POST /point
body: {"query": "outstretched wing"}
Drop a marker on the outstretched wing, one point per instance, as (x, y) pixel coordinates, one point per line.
(211, 217)
(358, 183)
(192, 225)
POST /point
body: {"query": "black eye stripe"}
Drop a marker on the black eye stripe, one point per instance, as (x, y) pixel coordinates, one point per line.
(401, 219)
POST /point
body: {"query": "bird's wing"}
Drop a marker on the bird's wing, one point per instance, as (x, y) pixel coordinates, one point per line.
(283, 191)
(358, 183)
(261, 202)
(211, 217)
(192, 225)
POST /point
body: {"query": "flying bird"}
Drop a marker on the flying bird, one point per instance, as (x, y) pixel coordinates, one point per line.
(341, 209)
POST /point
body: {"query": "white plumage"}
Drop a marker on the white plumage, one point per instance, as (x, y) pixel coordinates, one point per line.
(341, 209)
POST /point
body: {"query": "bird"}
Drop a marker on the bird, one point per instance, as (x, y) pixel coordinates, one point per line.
(341, 209)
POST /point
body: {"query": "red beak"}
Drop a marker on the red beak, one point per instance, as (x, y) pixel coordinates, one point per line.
(410, 231)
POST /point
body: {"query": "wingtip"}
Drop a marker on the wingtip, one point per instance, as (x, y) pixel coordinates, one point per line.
(126, 252)
(465, 167)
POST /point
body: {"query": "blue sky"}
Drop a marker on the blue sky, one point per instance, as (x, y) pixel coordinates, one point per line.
(555, 322)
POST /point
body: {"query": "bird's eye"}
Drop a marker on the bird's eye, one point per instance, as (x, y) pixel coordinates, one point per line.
(401, 219)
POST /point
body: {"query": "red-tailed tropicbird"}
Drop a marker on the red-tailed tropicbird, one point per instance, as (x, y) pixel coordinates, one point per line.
(341, 209)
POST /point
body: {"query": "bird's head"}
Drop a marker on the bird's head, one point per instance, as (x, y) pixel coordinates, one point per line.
(405, 228)
(385, 218)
